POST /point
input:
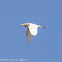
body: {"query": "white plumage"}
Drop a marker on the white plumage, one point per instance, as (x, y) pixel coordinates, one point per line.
(32, 30)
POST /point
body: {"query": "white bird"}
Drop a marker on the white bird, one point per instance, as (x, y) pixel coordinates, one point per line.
(32, 30)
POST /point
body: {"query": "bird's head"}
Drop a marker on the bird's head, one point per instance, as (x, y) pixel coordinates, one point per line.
(25, 24)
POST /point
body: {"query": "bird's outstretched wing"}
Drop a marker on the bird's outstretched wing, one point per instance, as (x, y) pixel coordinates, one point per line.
(33, 30)
(29, 36)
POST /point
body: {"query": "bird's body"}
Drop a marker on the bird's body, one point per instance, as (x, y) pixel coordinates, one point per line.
(32, 30)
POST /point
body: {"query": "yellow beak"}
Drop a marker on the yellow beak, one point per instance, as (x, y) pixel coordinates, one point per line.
(22, 24)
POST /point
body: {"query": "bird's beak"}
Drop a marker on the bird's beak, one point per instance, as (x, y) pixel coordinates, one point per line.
(22, 24)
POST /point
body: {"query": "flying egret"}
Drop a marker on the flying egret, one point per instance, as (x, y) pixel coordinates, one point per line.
(32, 30)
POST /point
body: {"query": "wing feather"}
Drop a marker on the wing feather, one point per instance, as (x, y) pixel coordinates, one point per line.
(29, 36)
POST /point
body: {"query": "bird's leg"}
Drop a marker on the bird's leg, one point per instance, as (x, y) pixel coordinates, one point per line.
(41, 27)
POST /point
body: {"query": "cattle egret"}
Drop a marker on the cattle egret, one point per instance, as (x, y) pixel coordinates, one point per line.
(32, 30)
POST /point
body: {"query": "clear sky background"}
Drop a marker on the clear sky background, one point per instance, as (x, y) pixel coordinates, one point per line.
(47, 45)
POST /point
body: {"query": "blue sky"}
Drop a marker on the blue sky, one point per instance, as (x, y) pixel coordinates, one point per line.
(47, 45)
